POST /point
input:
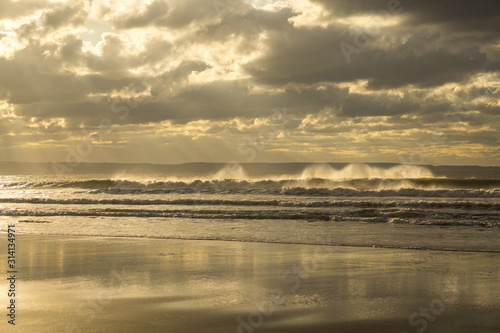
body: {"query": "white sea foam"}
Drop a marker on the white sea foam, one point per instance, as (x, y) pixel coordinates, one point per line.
(365, 171)
(232, 171)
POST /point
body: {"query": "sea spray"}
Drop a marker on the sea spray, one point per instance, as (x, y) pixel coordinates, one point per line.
(365, 171)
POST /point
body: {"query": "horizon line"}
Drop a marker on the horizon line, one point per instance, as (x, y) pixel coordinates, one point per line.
(228, 162)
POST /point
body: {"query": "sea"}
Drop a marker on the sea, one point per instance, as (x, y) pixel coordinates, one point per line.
(448, 208)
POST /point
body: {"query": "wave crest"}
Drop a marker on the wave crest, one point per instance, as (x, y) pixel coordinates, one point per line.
(365, 171)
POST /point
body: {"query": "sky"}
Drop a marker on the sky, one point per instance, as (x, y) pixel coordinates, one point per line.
(174, 81)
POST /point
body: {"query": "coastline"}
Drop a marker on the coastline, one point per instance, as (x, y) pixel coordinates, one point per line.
(102, 284)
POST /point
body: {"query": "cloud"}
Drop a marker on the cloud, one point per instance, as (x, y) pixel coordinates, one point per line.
(188, 75)
(73, 13)
(306, 55)
(151, 14)
(468, 15)
(13, 9)
(172, 14)
(357, 105)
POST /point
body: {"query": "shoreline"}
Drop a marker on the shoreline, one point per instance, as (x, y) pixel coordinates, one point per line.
(131, 284)
(378, 246)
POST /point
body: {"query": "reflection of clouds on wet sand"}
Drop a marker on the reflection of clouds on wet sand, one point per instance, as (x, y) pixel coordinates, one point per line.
(129, 284)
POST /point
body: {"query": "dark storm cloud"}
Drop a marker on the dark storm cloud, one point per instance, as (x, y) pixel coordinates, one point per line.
(225, 100)
(73, 111)
(357, 105)
(491, 110)
(420, 56)
(465, 14)
(219, 100)
(307, 55)
(431, 69)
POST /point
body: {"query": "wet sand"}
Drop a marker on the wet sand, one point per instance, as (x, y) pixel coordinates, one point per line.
(97, 284)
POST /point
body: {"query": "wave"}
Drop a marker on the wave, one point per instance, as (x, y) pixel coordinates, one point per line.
(177, 213)
(403, 192)
(306, 191)
(367, 215)
(420, 204)
(365, 171)
(83, 184)
(311, 185)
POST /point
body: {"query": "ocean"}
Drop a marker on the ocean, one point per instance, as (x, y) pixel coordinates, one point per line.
(368, 205)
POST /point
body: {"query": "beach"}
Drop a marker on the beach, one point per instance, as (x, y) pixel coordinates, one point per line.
(130, 284)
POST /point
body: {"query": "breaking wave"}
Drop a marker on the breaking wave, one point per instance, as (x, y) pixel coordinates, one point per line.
(354, 180)
(230, 200)
(343, 203)
(452, 188)
(365, 171)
